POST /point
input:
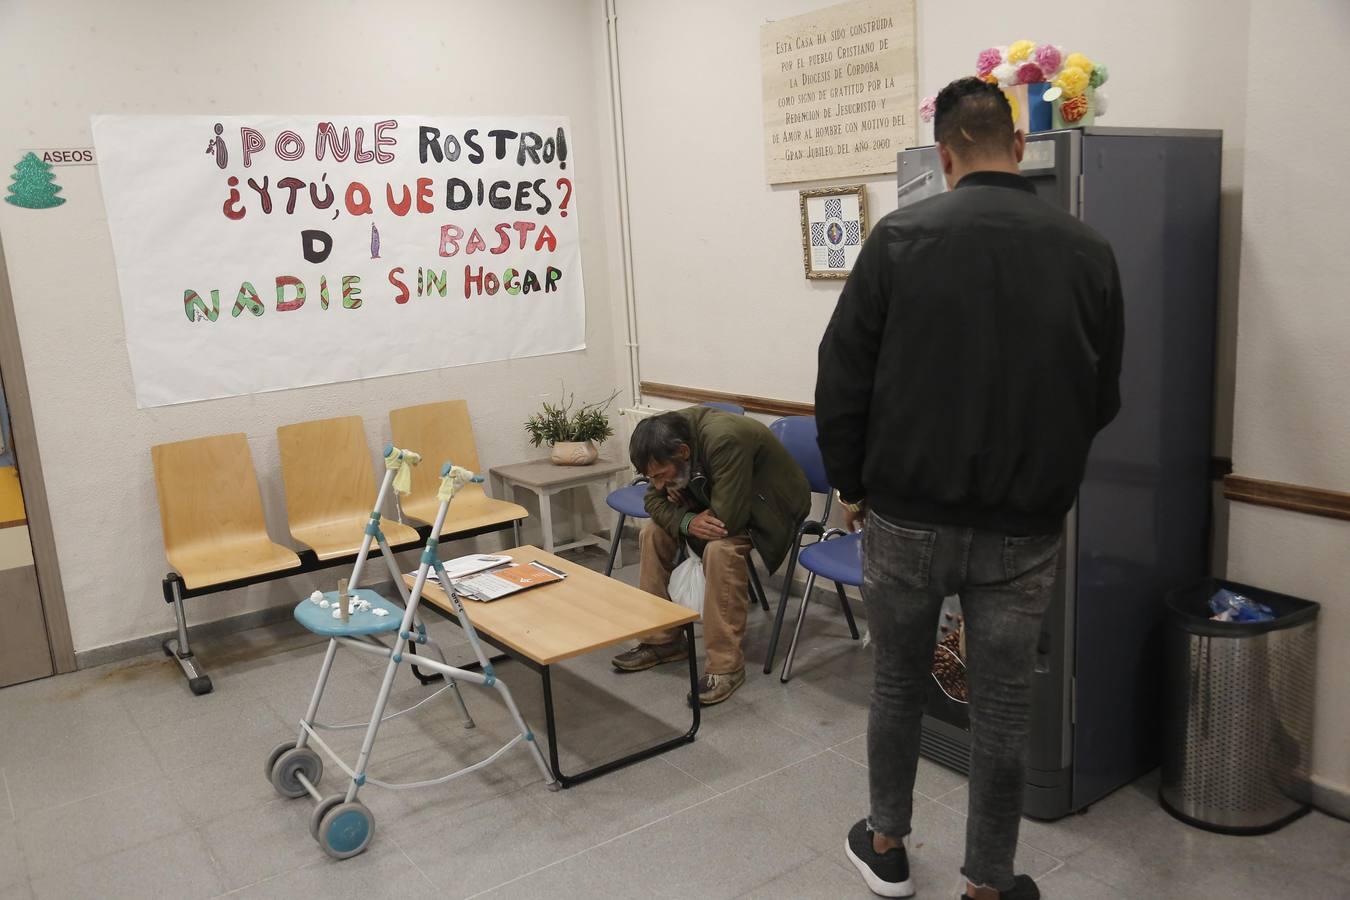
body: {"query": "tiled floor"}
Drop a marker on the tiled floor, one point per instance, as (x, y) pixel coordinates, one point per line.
(116, 782)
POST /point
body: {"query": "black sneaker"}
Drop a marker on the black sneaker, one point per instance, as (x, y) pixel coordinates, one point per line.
(886, 874)
(1023, 889)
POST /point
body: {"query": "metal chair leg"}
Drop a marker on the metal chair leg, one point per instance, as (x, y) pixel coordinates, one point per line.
(614, 545)
(782, 607)
(848, 610)
(797, 632)
(179, 648)
(756, 588)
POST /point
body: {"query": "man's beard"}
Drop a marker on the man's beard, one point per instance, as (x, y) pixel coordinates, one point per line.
(681, 479)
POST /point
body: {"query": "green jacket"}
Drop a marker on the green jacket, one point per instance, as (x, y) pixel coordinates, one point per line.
(746, 477)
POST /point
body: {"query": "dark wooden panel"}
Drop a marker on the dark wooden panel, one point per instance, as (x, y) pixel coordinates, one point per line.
(1309, 500)
(764, 405)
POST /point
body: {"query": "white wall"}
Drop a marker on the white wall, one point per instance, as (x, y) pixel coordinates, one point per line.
(1293, 378)
(62, 61)
(718, 251)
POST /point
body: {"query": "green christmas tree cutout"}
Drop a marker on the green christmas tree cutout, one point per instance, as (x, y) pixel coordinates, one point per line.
(34, 185)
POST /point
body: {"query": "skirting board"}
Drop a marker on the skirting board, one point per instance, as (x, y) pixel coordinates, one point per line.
(99, 656)
(1332, 799)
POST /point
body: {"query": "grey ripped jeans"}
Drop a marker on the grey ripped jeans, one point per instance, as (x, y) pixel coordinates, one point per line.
(1005, 584)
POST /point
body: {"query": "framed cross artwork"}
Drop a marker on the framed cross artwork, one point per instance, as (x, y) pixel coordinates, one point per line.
(834, 224)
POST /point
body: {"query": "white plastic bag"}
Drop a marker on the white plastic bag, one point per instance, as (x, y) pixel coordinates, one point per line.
(686, 584)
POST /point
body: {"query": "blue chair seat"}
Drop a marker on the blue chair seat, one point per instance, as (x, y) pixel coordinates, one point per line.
(836, 560)
(629, 501)
(320, 621)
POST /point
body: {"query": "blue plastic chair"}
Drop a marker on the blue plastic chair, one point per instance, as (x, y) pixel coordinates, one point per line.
(629, 503)
(837, 560)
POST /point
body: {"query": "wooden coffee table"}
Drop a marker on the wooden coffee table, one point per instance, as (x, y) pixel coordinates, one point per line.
(550, 624)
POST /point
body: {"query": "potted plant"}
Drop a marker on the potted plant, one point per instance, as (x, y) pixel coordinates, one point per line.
(572, 434)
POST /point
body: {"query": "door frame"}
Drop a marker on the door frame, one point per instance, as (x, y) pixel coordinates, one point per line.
(23, 438)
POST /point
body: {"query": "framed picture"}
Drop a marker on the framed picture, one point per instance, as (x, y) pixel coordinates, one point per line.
(834, 224)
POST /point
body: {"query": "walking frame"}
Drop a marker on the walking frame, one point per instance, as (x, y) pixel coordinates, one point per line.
(341, 824)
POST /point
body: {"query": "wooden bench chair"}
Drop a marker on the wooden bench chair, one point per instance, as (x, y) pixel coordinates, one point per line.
(215, 536)
(441, 432)
(329, 483)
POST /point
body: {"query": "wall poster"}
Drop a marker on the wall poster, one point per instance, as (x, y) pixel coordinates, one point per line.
(260, 253)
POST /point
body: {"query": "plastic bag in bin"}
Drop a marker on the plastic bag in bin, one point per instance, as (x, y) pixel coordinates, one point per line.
(1230, 607)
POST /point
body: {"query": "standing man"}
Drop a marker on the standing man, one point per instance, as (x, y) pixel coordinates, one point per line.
(973, 356)
(725, 485)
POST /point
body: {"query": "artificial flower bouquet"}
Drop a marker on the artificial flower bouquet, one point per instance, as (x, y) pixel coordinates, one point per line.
(1046, 88)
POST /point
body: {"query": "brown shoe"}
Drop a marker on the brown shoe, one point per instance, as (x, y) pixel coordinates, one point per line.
(713, 689)
(649, 656)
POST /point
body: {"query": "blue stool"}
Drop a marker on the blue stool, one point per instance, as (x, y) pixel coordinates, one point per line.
(836, 557)
(798, 434)
(628, 503)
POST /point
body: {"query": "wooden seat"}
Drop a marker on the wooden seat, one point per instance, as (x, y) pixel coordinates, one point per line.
(330, 487)
(441, 432)
(211, 513)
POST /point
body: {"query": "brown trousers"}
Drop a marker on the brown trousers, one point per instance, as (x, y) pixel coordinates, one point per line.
(725, 596)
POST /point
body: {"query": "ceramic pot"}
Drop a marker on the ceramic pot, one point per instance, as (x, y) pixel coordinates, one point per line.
(571, 453)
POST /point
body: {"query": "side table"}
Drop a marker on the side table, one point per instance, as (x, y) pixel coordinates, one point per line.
(544, 479)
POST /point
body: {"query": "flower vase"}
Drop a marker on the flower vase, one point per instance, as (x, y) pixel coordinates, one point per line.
(1017, 99)
(573, 453)
(1040, 115)
(1074, 112)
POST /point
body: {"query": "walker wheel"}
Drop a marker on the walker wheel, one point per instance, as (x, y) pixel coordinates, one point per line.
(346, 830)
(293, 762)
(320, 810)
(274, 756)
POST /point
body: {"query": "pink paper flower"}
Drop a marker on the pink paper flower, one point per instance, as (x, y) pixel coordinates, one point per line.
(1029, 73)
(928, 109)
(985, 62)
(1049, 58)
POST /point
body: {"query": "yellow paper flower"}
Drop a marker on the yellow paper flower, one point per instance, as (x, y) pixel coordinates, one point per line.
(1079, 61)
(1072, 81)
(1020, 51)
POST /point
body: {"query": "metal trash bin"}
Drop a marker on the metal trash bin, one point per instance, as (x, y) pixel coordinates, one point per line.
(1239, 712)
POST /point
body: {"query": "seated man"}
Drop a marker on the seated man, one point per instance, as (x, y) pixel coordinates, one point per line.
(725, 485)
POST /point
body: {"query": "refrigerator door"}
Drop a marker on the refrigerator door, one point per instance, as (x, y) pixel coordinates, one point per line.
(1143, 508)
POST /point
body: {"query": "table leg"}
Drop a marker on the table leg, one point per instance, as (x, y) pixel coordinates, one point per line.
(551, 725)
(577, 536)
(546, 518)
(510, 491)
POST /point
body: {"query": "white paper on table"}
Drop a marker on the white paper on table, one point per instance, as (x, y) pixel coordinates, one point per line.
(469, 565)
